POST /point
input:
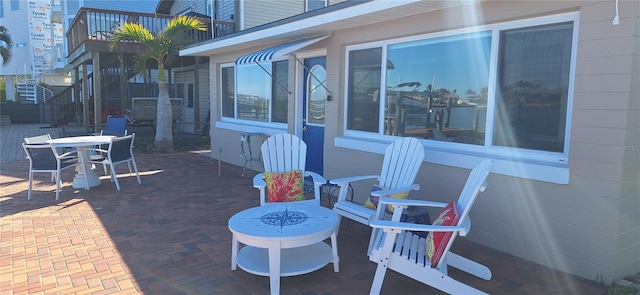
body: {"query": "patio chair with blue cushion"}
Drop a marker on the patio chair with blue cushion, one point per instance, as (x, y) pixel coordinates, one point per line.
(116, 125)
(45, 158)
(403, 247)
(44, 139)
(119, 150)
(284, 157)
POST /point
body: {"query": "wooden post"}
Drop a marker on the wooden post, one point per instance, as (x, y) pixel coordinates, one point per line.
(76, 91)
(97, 93)
(85, 97)
(123, 85)
(196, 94)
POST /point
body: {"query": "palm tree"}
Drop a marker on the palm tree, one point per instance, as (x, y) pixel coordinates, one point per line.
(162, 48)
(5, 45)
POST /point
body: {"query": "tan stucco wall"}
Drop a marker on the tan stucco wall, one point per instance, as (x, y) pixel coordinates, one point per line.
(589, 227)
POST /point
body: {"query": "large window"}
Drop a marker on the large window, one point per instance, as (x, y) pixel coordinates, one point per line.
(260, 94)
(443, 87)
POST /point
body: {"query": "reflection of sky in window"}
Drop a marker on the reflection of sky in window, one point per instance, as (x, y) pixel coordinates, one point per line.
(459, 62)
(253, 80)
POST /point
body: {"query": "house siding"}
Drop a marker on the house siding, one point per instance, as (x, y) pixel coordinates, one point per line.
(205, 96)
(261, 12)
(188, 113)
(226, 10)
(569, 227)
(183, 6)
(180, 7)
(589, 227)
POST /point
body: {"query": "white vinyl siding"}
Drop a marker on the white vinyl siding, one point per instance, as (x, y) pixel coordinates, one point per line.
(188, 113)
(184, 6)
(226, 10)
(204, 93)
(261, 12)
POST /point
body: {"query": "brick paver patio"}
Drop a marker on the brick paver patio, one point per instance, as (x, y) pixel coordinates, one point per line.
(169, 235)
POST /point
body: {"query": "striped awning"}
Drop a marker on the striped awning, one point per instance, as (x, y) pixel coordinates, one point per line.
(277, 51)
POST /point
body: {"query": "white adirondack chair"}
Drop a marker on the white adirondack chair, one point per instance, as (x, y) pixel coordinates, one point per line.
(400, 165)
(395, 245)
(284, 153)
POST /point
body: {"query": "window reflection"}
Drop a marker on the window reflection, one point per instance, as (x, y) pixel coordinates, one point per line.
(317, 95)
(315, 4)
(364, 89)
(254, 93)
(279, 83)
(438, 88)
(261, 92)
(228, 91)
(533, 87)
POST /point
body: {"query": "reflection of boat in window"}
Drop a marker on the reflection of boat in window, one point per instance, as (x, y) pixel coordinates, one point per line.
(417, 114)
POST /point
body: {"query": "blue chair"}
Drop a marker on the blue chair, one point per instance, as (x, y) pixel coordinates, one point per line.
(116, 125)
(45, 158)
(120, 150)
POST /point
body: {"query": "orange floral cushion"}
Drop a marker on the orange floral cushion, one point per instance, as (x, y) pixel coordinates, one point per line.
(437, 241)
(284, 186)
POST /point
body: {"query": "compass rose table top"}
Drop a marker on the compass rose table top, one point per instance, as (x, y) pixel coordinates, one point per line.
(282, 220)
(283, 239)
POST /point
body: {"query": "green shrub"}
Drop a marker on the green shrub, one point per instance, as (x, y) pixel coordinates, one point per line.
(618, 289)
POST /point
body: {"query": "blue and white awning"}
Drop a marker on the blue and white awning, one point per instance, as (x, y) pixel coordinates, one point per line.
(277, 51)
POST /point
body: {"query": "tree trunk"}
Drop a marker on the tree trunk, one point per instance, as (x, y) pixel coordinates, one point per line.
(164, 119)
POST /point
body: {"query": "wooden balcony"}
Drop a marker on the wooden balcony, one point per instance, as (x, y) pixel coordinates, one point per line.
(92, 28)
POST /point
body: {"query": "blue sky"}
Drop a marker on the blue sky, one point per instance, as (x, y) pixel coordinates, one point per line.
(124, 5)
(458, 62)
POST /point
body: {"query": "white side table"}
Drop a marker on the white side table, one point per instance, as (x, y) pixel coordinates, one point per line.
(283, 239)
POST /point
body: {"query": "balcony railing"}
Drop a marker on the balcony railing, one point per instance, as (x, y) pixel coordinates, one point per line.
(99, 24)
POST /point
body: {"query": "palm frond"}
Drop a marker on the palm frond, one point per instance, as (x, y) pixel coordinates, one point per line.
(140, 65)
(5, 45)
(5, 37)
(5, 53)
(131, 32)
(164, 46)
(183, 23)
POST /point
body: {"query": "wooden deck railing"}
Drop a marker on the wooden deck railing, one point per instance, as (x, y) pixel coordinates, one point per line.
(99, 24)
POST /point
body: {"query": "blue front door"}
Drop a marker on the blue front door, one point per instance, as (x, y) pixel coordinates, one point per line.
(315, 96)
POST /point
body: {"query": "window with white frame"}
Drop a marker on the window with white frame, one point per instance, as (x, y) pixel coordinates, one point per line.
(256, 92)
(505, 85)
(315, 4)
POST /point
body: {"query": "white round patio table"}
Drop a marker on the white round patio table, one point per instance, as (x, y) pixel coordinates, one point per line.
(283, 239)
(85, 176)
